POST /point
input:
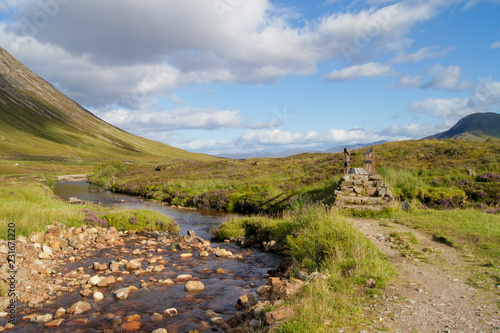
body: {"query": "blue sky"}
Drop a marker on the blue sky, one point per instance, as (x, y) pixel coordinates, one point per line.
(246, 76)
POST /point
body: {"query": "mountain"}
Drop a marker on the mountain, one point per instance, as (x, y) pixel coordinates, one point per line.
(355, 146)
(37, 120)
(474, 127)
(292, 152)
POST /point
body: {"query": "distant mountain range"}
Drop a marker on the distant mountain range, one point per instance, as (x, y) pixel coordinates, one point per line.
(474, 127)
(292, 152)
(38, 121)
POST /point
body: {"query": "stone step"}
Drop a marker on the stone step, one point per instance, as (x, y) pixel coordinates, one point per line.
(343, 200)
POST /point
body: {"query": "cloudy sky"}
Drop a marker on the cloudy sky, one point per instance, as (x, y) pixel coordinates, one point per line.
(244, 76)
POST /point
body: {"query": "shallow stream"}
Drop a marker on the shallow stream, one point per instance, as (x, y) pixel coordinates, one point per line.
(225, 279)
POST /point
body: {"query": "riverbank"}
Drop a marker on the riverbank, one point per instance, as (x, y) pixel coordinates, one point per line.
(100, 278)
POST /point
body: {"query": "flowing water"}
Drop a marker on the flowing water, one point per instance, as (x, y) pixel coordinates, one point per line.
(238, 277)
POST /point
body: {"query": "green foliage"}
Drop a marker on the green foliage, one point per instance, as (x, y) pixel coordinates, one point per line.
(140, 219)
(105, 173)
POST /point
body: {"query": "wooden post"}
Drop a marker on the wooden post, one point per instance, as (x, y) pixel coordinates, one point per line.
(347, 161)
(370, 161)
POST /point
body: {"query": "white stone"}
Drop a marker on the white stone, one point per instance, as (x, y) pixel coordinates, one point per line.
(95, 280)
(98, 296)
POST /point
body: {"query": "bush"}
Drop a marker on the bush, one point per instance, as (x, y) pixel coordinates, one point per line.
(105, 173)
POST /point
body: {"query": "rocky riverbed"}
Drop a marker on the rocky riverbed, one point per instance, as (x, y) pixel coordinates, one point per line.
(101, 280)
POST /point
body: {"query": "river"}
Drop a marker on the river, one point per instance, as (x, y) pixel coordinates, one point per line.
(240, 276)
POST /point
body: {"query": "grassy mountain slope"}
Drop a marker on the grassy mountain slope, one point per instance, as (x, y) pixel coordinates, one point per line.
(36, 119)
(474, 127)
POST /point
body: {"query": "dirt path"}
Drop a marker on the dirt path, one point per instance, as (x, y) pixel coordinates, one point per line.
(430, 294)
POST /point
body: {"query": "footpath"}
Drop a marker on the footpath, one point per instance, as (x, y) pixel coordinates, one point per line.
(431, 293)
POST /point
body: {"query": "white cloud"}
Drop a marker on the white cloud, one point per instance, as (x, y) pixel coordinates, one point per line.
(495, 45)
(182, 118)
(273, 137)
(370, 69)
(442, 78)
(414, 131)
(94, 51)
(447, 78)
(408, 81)
(485, 98)
(423, 53)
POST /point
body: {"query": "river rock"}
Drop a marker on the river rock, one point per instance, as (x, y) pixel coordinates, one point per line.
(80, 307)
(131, 326)
(222, 253)
(170, 312)
(114, 266)
(156, 317)
(158, 269)
(184, 277)
(60, 313)
(166, 282)
(44, 255)
(44, 318)
(95, 280)
(160, 330)
(186, 255)
(54, 324)
(278, 315)
(219, 321)
(194, 286)
(105, 282)
(36, 237)
(133, 265)
(122, 293)
(204, 254)
(98, 296)
(246, 300)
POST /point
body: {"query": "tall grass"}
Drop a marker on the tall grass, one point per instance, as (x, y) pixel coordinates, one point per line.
(31, 207)
(319, 239)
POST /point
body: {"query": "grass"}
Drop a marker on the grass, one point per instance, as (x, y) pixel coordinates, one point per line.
(466, 229)
(31, 207)
(319, 239)
(437, 174)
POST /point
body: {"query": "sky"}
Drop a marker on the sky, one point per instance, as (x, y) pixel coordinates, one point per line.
(253, 76)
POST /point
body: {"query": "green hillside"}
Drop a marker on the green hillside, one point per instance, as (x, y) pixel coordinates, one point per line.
(474, 127)
(38, 122)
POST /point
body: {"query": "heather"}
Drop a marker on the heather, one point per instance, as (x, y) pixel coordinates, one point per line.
(440, 174)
